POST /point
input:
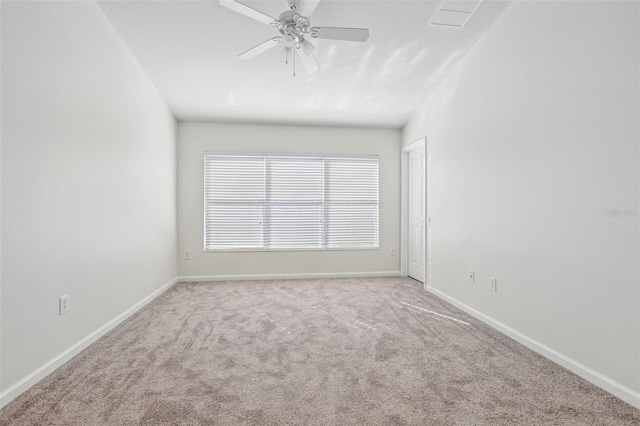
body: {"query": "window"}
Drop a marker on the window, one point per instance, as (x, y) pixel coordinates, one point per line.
(286, 202)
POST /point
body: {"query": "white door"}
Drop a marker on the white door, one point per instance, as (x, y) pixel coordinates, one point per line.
(416, 214)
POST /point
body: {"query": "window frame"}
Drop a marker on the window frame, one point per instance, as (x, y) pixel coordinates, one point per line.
(282, 249)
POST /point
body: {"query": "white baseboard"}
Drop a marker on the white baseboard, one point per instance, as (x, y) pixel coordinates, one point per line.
(197, 278)
(624, 393)
(44, 370)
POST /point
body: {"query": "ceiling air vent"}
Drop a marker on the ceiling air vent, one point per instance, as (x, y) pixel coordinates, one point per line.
(454, 13)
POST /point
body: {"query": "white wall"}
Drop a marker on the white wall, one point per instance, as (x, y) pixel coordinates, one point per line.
(530, 141)
(88, 182)
(196, 138)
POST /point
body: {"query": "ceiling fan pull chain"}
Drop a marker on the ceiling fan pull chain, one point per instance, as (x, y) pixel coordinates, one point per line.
(294, 63)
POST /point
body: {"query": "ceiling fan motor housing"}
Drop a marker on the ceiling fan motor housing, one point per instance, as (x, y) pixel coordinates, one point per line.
(292, 24)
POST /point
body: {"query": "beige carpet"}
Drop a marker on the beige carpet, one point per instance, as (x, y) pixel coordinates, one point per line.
(310, 352)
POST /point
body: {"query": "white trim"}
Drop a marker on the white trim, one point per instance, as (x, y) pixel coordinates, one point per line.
(626, 394)
(201, 278)
(49, 367)
(404, 203)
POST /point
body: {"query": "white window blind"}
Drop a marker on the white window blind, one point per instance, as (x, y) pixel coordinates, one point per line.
(283, 202)
(351, 202)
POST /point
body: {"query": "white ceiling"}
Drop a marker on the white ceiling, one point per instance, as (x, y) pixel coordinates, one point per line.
(189, 51)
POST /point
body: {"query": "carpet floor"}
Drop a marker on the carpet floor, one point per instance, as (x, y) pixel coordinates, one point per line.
(310, 352)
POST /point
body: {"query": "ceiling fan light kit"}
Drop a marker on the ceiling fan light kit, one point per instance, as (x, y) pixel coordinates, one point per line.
(295, 31)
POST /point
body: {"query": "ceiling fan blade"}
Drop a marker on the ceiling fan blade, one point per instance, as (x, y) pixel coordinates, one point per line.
(308, 61)
(306, 7)
(247, 11)
(346, 34)
(261, 48)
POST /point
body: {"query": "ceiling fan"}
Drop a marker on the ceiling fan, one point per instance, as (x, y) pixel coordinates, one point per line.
(295, 31)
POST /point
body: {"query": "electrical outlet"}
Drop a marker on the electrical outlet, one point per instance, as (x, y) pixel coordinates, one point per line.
(493, 286)
(64, 304)
(187, 255)
(393, 251)
(472, 276)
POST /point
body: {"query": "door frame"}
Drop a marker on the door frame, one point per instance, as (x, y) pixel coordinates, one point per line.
(404, 206)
